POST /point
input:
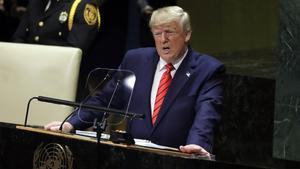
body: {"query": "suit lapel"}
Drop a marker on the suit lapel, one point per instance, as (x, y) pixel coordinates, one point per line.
(182, 75)
(150, 67)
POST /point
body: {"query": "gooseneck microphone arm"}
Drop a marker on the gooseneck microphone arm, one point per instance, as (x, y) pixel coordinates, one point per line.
(75, 104)
(27, 110)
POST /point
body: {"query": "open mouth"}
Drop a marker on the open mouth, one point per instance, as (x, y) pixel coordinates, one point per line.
(166, 49)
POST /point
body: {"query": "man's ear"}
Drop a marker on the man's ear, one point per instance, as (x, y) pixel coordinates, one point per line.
(188, 36)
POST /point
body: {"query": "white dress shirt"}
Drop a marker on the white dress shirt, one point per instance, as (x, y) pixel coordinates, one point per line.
(160, 69)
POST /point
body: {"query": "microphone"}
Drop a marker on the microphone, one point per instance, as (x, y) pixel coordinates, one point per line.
(91, 107)
(75, 104)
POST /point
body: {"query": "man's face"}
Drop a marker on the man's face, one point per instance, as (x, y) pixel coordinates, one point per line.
(170, 40)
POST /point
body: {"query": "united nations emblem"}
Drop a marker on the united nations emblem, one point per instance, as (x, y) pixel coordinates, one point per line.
(63, 16)
(90, 14)
(52, 155)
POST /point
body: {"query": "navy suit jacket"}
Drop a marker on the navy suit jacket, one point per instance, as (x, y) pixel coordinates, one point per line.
(191, 107)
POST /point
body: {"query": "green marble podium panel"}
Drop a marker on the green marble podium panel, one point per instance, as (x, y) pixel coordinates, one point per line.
(286, 143)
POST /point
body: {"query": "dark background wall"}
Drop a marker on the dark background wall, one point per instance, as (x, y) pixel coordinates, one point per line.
(110, 44)
(230, 25)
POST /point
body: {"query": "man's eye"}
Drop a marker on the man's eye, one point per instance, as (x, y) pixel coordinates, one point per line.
(171, 33)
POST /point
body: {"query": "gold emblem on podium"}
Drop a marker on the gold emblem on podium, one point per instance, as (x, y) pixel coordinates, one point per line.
(52, 155)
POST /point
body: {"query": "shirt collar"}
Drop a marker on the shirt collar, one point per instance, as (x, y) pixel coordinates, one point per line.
(175, 64)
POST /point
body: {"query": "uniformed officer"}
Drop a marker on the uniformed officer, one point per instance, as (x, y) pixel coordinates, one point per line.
(59, 22)
(63, 23)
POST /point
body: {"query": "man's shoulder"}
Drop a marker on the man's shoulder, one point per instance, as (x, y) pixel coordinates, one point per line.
(201, 58)
(147, 50)
(139, 56)
(141, 53)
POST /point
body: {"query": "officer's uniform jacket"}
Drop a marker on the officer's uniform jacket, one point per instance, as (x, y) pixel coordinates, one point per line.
(64, 23)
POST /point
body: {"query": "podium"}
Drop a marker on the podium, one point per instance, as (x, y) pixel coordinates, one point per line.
(26, 147)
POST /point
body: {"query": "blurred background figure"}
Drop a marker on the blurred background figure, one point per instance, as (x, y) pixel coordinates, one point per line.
(18, 8)
(11, 12)
(59, 22)
(139, 12)
(2, 5)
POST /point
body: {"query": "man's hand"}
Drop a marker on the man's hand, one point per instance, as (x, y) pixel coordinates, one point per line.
(54, 126)
(194, 149)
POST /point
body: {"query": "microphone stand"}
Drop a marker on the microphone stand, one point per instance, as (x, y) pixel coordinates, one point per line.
(100, 127)
(27, 109)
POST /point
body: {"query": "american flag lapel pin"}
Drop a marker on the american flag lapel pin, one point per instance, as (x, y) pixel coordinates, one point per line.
(188, 74)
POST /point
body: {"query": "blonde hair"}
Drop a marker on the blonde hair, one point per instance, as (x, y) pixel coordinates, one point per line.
(169, 14)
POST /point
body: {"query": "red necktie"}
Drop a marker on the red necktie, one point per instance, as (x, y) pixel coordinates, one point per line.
(164, 84)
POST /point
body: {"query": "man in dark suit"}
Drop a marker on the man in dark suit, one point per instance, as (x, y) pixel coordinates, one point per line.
(178, 89)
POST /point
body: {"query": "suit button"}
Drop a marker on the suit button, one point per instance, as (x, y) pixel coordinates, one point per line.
(41, 24)
(59, 33)
(36, 38)
(27, 29)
